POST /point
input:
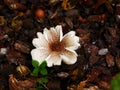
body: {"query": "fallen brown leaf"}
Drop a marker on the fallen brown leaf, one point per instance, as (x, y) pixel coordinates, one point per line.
(15, 84)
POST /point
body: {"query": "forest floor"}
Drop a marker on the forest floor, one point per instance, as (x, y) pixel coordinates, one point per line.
(96, 23)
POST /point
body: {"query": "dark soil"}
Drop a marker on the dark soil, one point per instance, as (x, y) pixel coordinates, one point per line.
(96, 22)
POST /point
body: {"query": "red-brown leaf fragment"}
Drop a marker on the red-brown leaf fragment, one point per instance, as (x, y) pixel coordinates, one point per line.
(74, 74)
(22, 47)
(84, 36)
(93, 76)
(110, 60)
(118, 62)
(112, 31)
(93, 59)
(104, 84)
(81, 85)
(96, 18)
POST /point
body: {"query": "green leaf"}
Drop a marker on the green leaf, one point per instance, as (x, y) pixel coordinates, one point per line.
(40, 87)
(44, 71)
(35, 63)
(43, 80)
(35, 72)
(43, 64)
(115, 83)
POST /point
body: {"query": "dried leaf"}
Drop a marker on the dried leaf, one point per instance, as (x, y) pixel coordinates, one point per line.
(69, 22)
(53, 1)
(14, 84)
(96, 18)
(93, 59)
(72, 13)
(81, 85)
(23, 70)
(66, 5)
(22, 47)
(74, 74)
(110, 60)
(93, 76)
(2, 21)
(84, 36)
(104, 84)
(53, 15)
(93, 49)
(112, 31)
(118, 61)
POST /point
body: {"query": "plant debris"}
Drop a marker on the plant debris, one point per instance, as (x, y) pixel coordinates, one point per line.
(96, 24)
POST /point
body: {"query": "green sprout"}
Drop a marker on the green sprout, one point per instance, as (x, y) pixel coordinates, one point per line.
(42, 71)
(115, 83)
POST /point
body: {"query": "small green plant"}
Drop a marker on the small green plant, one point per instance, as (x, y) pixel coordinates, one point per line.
(115, 83)
(41, 72)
